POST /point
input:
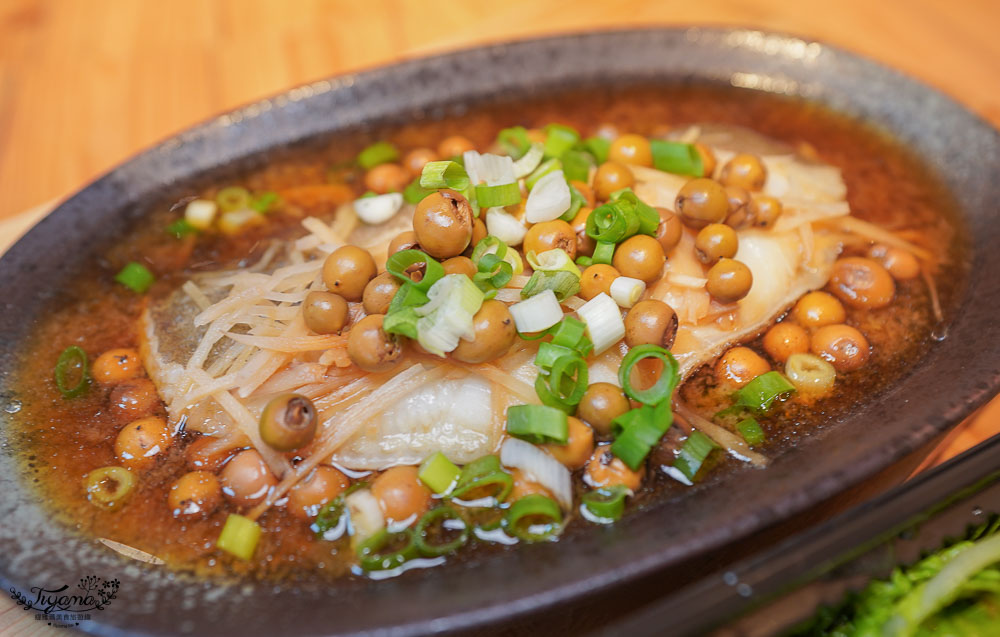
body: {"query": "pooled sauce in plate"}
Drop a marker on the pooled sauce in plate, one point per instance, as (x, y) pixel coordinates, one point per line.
(899, 217)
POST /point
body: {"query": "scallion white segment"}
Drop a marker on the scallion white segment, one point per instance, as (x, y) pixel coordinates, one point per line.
(447, 316)
(524, 166)
(604, 321)
(378, 209)
(487, 167)
(627, 291)
(505, 226)
(538, 313)
(365, 514)
(200, 213)
(549, 199)
(541, 467)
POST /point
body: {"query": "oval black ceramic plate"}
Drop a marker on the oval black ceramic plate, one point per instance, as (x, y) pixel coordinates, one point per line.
(954, 378)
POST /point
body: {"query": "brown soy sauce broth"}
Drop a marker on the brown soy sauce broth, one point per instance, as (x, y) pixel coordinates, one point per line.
(62, 440)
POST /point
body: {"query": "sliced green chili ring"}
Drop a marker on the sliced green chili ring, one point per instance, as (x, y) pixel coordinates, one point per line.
(549, 398)
(108, 487)
(444, 174)
(478, 485)
(482, 248)
(599, 147)
(136, 277)
(693, 454)
(759, 394)
(408, 296)
(233, 198)
(649, 219)
(549, 353)
(559, 139)
(514, 141)
(614, 222)
(751, 431)
(568, 379)
(181, 228)
(664, 386)
(70, 358)
(374, 556)
(638, 431)
(494, 272)
(584, 262)
(677, 158)
(264, 201)
(606, 503)
(572, 333)
(500, 195)
(478, 468)
(440, 516)
(376, 154)
(534, 518)
(398, 263)
(538, 424)
(604, 252)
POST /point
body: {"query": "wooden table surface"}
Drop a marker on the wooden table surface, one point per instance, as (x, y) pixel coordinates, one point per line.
(86, 83)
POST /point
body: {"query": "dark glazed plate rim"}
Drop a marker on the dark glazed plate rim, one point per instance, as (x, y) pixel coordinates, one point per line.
(955, 377)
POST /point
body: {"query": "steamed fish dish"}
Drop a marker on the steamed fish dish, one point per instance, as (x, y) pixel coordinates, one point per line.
(383, 353)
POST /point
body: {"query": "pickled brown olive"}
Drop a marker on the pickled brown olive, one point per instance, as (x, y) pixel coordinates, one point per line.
(766, 211)
(246, 479)
(640, 257)
(716, 241)
(650, 322)
(386, 178)
(631, 149)
(400, 494)
(370, 348)
(901, 264)
(729, 280)
(403, 241)
(785, 339)
(324, 312)
(701, 202)
(842, 346)
(739, 366)
(610, 177)
(379, 293)
(578, 448)
(194, 495)
(668, 233)
(116, 365)
(348, 270)
(602, 403)
(416, 159)
(322, 485)
(443, 224)
(550, 235)
(708, 161)
(494, 333)
(140, 442)
(744, 170)
(134, 398)
(597, 278)
(604, 469)
(817, 309)
(862, 283)
(454, 146)
(459, 265)
(288, 422)
(742, 211)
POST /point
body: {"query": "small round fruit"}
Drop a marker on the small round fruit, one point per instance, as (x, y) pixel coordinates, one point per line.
(744, 170)
(729, 280)
(460, 265)
(348, 270)
(140, 442)
(386, 178)
(578, 448)
(602, 403)
(379, 293)
(901, 264)
(668, 233)
(650, 322)
(494, 334)
(288, 422)
(785, 339)
(416, 159)
(324, 312)
(817, 309)
(739, 366)
(862, 283)
(246, 479)
(604, 469)
(631, 149)
(401, 494)
(708, 161)
(766, 211)
(443, 223)
(595, 279)
(742, 211)
(716, 241)
(551, 235)
(842, 346)
(454, 146)
(321, 486)
(134, 398)
(116, 365)
(640, 257)
(370, 348)
(610, 177)
(701, 202)
(403, 241)
(194, 495)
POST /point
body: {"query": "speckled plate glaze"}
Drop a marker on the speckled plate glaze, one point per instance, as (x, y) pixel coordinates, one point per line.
(956, 376)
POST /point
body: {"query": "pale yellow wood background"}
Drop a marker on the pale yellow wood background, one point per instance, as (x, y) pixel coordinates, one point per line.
(86, 83)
